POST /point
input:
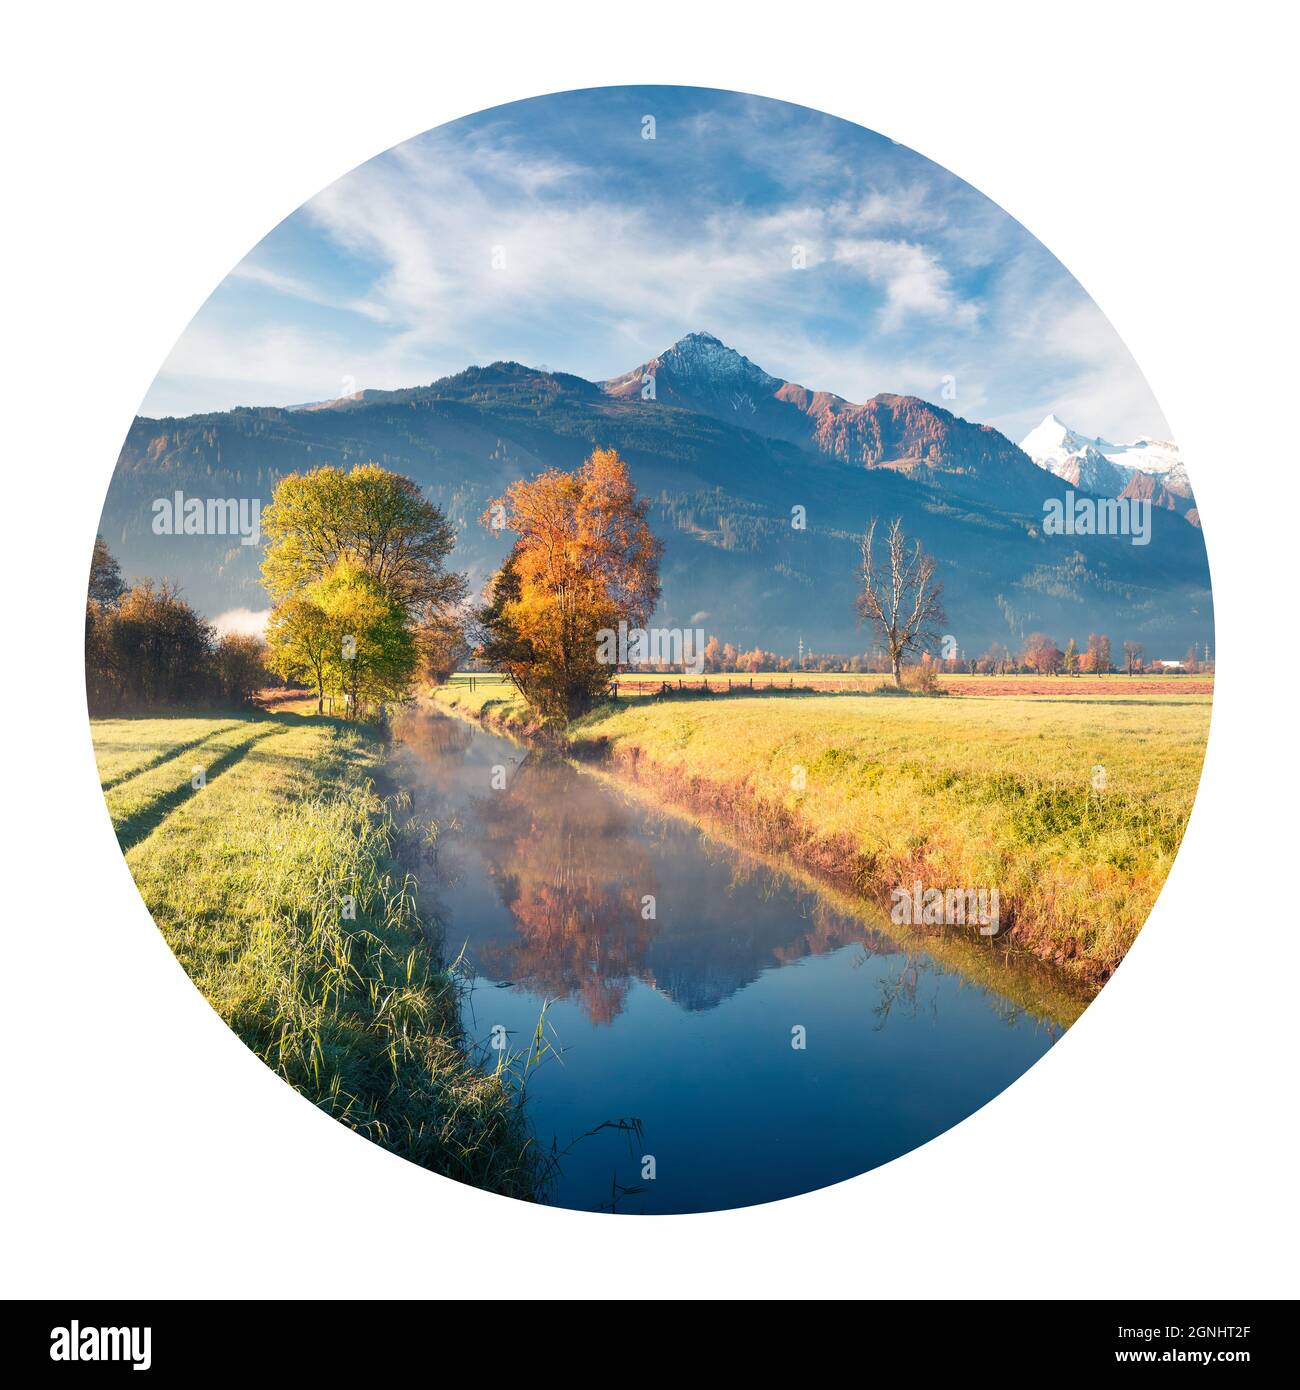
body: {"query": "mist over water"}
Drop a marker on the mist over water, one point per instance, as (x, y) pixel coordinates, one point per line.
(685, 1021)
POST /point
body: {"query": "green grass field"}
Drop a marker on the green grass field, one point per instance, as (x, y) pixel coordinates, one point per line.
(976, 791)
(274, 882)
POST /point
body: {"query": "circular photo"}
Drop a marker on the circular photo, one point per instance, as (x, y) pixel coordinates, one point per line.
(649, 650)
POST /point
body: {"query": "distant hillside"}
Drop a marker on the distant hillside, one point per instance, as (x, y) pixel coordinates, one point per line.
(724, 497)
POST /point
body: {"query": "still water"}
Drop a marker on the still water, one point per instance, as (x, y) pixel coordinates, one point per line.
(675, 1034)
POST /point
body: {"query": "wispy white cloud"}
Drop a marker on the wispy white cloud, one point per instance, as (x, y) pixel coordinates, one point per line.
(914, 281)
(508, 237)
(298, 288)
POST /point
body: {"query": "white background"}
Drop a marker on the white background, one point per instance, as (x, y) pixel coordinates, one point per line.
(148, 147)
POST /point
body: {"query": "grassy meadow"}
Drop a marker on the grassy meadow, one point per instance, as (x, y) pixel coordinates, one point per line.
(997, 790)
(276, 884)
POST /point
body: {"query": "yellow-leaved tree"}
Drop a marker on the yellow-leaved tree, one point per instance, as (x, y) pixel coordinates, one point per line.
(356, 566)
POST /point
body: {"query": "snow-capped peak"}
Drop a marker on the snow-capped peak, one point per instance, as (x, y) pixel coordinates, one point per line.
(699, 367)
(1150, 455)
(702, 358)
(1053, 441)
(1097, 465)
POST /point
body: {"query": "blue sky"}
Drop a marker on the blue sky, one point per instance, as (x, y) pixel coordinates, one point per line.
(550, 231)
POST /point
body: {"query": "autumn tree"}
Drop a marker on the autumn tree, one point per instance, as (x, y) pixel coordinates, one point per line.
(761, 660)
(441, 646)
(370, 654)
(346, 637)
(239, 667)
(1041, 654)
(584, 560)
(370, 517)
(361, 546)
(103, 680)
(162, 644)
(147, 648)
(1070, 660)
(995, 661)
(900, 596)
(1099, 651)
(298, 640)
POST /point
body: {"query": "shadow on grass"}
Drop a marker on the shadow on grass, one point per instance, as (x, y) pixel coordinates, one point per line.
(166, 755)
(135, 828)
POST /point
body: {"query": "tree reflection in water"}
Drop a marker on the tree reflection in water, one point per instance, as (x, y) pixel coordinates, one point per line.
(573, 874)
(573, 861)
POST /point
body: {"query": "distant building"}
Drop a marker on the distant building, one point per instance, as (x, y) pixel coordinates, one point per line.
(1172, 665)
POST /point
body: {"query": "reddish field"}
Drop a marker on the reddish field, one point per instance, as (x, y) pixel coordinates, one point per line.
(1081, 685)
(956, 685)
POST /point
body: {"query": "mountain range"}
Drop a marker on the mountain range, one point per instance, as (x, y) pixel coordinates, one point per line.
(761, 489)
(921, 441)
(1147, 468)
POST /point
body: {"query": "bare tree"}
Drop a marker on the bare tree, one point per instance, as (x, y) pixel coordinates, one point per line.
(901, 597)
(1133, 654)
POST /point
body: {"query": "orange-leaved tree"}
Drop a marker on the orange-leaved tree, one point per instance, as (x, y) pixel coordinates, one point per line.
(584, 560)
